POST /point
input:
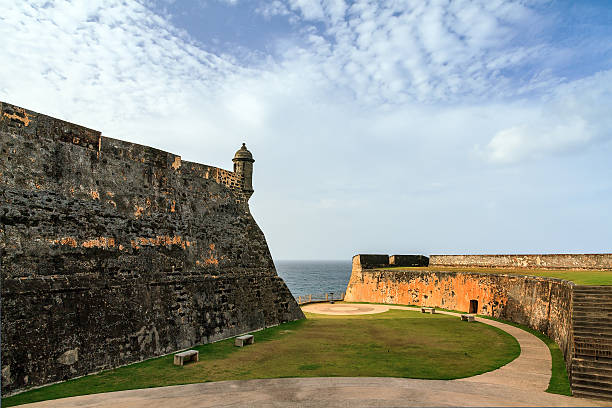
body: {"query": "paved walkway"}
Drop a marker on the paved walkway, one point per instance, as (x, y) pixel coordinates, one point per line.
(519, 383)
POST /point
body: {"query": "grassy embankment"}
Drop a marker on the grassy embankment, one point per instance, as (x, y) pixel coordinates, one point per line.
(579, 277)
(392, 344)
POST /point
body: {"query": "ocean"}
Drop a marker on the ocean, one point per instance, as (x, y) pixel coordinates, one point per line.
(314, 277)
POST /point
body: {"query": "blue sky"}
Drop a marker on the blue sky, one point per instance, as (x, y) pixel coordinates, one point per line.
(478, 126)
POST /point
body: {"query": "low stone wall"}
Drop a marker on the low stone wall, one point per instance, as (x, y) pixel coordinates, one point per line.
(371, 261)
(549, 261)
(543, 304)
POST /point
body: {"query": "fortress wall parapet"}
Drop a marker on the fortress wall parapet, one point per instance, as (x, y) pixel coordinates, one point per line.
(548, 261)
(408, 260)
(31, 125)
(367, 261)
(34, 127)
(372, 261)
(113, 252)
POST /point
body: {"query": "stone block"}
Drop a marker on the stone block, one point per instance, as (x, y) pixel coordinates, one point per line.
(244, 340)
(408, 260)
(189, 355)
(371, 261)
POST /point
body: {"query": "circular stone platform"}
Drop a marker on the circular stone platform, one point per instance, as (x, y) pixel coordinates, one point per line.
(344, 309)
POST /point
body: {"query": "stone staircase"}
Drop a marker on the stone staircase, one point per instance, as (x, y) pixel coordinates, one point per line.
(592, 327)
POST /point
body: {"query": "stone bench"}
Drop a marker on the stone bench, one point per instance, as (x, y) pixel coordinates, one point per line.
(244, 340)
(467, 318)
(189, 355)
(428, 310)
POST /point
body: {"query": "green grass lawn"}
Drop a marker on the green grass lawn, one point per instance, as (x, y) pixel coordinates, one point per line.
(579, 277)
(391, 344)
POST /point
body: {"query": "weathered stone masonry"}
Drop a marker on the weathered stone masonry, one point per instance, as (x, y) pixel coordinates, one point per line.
(549, 261)
(113, 252)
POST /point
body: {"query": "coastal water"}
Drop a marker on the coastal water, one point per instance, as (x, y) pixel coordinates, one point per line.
(314, 277)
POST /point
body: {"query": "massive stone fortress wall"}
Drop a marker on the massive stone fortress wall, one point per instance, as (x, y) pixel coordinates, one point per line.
(113, 252)
(548, 261)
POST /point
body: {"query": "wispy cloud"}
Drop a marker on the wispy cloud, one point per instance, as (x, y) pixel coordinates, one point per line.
(269, 9)
(572, 117)
(388, 52)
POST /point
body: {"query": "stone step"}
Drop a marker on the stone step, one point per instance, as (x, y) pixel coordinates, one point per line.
(590, 288)
(588, 306)
(585, 346)
(596, 327)
(585, 337)
(593, 376)
(589, 362)
(591, 314)
(590, 395)
(582, 330)
(582, 296)
(589, 352)
(591, 297)
(603, 347)
(591, 294)
(596, 332)
(599, 384)
(592, 302)
(579, 370)
(604, 290)
(595, 314)
(592, 331)
(586, 321)
(591, 391)
(590, 318)
(591, 323)
(593, 308)
(593, 343)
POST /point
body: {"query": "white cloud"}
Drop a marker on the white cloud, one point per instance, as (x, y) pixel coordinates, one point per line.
(310, 9)
(532, 142)
(270, 9)
(570, 119)
(335, 9)
(391, 52)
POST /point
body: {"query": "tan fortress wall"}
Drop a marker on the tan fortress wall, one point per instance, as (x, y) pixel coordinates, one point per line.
(548, 261)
